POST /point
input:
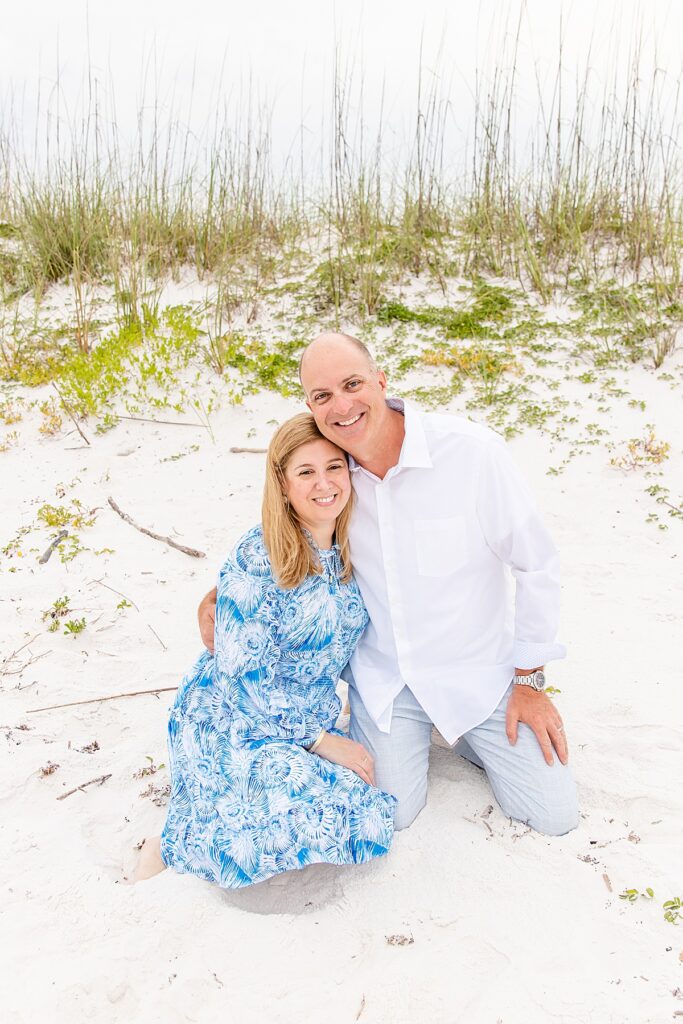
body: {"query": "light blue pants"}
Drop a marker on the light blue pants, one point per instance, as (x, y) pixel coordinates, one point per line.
(543, 796)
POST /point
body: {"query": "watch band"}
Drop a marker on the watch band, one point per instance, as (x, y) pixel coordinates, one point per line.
(536, 680)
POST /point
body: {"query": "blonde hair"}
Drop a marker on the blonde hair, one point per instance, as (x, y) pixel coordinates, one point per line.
(291, 556)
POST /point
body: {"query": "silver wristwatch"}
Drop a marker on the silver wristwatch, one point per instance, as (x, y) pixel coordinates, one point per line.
(536, 680)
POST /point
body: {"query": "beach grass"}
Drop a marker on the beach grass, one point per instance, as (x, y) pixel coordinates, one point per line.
(589, 213)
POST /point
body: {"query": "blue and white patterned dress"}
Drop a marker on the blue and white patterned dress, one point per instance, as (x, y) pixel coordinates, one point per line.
(247, 800)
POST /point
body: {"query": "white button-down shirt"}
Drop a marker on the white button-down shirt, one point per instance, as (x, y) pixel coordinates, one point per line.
(434, 546)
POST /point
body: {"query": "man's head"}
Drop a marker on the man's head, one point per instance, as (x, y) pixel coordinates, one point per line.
(345, 392)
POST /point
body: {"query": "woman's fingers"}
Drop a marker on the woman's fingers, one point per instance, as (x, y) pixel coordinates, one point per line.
(349, 754)
(365, 766)
(363, 773)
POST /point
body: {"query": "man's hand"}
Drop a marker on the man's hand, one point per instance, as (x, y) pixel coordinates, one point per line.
(540, 714)
(348, 754)
(206, 615)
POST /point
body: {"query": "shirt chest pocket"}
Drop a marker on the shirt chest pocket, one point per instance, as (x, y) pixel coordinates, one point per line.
(440, 545)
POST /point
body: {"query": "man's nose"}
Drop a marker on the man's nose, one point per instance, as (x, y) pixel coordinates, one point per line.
(342, 405)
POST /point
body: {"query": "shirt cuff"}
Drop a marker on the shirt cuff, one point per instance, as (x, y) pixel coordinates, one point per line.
(530, 655)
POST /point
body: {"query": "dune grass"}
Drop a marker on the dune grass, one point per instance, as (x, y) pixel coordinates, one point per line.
(590, 209)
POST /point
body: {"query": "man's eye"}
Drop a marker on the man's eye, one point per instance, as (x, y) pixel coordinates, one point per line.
(320, 397)
(354, 383)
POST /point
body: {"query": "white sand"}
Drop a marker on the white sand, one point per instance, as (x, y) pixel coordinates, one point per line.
(505, 925)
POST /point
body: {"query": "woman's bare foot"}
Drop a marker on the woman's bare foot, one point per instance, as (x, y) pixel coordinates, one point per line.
(150, 862)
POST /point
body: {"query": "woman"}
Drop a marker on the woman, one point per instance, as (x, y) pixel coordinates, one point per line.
(262, 781)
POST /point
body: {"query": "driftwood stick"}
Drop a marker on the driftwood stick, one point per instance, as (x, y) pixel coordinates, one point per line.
(124, 596)
(100, 700)
(251, 451)
(76, 789)
(158, 637)
(166, 423)
(69, 413)
(156, 536)
(45, 557)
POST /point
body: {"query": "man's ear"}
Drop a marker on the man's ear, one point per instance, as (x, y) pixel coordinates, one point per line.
(382, 380)
(309, 406)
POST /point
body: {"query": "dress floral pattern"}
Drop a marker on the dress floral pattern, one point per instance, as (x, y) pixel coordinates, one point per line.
(247, 800)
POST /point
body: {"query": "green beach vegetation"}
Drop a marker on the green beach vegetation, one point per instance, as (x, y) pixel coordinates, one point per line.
(496, 279)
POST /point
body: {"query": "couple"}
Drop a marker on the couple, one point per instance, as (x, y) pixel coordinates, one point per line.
(262, 781)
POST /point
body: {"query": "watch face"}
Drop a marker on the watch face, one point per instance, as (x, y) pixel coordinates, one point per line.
(539, 680)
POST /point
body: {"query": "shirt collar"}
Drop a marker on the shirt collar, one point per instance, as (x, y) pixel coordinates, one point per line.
(414, 450)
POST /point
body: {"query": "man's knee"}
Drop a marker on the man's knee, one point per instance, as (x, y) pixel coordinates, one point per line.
(551, 807)
(406, 812)
(556, 821)
(410, 793)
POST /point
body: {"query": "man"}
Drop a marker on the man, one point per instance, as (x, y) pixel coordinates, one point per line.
(441, 516)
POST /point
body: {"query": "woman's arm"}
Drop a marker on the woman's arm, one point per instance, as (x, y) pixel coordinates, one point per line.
(206, 615)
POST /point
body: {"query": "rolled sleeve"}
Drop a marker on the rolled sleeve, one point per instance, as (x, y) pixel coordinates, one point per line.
(515, 533)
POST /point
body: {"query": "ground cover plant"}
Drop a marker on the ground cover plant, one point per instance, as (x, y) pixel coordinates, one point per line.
(494, 290)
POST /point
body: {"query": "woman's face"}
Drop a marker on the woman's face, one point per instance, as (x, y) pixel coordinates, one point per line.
(318, 485)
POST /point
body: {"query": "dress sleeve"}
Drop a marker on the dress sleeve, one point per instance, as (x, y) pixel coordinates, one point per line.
(247, 662)
(515, 533)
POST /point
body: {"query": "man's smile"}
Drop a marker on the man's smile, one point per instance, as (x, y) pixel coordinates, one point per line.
(350, 422)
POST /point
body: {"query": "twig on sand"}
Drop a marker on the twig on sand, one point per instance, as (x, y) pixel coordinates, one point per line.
(31, 661)
(124, 596)
(251, 451)
(69, 413)
(608, 883)
(158, 637)
(4, 665)
(76, 789)
(361, 1007)
(155, 536)
(166, 423)
(100, 700)
(45, 557)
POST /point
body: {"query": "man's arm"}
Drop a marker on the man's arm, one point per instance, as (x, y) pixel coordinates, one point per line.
(206, 615)
(515, 533)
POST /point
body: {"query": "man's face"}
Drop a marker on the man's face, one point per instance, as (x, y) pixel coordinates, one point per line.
(346, 396)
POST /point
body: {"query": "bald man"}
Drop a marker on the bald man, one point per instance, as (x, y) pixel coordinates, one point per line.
(442, 522)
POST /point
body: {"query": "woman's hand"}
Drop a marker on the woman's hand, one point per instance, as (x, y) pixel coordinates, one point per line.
(348, 754)
(206, 616)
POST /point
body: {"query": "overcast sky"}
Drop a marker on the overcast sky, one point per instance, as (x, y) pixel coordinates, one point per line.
(284, 51)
